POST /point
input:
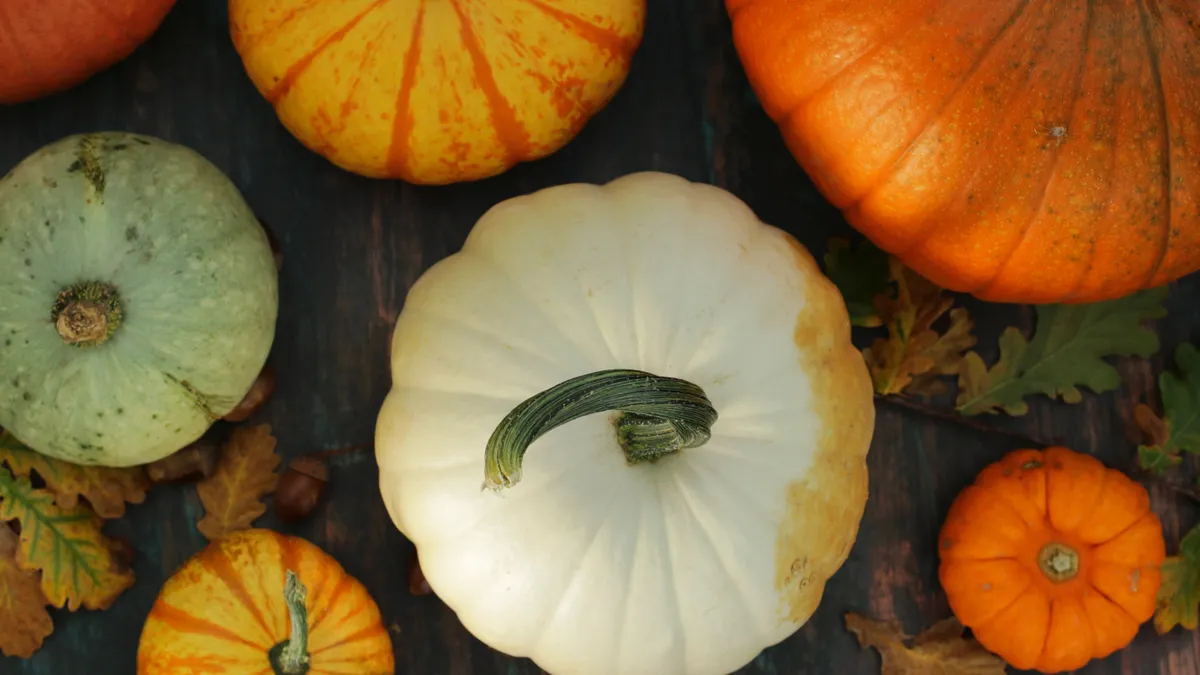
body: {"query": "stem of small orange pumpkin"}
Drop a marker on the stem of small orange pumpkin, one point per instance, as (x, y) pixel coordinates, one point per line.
(660, 416)
(290, 657)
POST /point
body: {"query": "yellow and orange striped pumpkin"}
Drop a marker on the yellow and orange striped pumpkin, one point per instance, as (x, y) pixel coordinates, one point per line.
(226, 611)
(436, 91)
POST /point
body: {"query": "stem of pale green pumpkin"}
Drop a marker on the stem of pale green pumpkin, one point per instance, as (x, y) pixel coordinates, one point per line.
(660, 416)
(294, 657)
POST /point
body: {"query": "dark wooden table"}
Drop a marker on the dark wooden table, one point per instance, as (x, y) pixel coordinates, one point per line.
(352, 247)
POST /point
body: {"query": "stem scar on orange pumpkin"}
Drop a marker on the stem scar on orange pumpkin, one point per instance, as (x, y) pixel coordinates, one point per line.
(1052, 559)
(261, 602)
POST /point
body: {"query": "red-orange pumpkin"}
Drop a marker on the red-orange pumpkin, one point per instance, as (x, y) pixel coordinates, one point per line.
(1020, 150)
(47, 46)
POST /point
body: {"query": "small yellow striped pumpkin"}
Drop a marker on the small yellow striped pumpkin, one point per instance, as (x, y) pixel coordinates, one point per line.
(235, 607)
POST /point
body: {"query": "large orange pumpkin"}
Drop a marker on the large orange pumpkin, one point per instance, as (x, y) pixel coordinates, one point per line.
(1020, 150)
(261, 603)
(436, 91)
(1051, 559)
(47, 46)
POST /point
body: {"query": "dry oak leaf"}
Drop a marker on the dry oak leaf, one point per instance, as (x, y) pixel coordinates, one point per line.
(76, 560)
(941, 650)
(232, 496)
(107, 490)
(914, 354)
(1067, 352)
(24, 621)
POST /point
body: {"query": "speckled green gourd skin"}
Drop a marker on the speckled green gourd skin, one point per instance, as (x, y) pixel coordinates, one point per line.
(196, 280)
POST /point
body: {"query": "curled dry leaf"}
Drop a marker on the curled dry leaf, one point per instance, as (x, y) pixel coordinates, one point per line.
(1067, 352)
(260, 391)
(24, 621)
(77, 562)
(232, 496)
(913, 354)
(107, 490)
(941, 650)
(196, 460)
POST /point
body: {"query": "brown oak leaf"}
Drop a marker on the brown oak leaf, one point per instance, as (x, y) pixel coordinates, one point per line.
(913, 354)
(232, 496)
(106, 489)
(941, 650)
(24, 621)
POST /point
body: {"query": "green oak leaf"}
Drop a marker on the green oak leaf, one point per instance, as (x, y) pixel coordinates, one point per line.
(1067, 352)
(1179, 595)
(860, 274)
(1179, 430)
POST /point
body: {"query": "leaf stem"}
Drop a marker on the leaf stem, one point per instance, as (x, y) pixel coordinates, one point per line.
(910, 405)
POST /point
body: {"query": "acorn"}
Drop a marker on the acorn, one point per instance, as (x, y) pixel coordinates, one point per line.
(300, 488)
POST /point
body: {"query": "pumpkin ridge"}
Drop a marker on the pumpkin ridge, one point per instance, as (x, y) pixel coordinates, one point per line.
(198, 398)
(402, 121)
(997, 613)
(1054, 166)
(1165, 132)
(887, 173)
(342, 586)
(347, 106)
(221, 566)
(993, 136)
(183, 622)
(884, 41)
(284, 85)
(514, 138)
(1099, 591)
(605, 38)
(251, 41)
(361, 634)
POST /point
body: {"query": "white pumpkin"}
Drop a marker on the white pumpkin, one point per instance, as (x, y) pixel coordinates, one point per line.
(612, 550)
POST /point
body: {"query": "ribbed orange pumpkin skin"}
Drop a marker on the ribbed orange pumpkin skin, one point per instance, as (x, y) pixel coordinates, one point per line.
(1020, 150)
(224, 610)
(436, 91)
(1030, 502)
(47, 46)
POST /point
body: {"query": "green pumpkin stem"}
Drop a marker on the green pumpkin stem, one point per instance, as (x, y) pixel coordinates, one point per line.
(86, 314)
(660, 416)
(290, 657)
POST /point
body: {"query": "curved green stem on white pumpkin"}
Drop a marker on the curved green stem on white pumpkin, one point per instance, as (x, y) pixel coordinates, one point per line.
(661, 415)
(86, 314)
(291, 656)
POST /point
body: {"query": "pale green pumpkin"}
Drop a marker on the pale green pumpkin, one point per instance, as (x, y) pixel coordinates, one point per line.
(138, 297)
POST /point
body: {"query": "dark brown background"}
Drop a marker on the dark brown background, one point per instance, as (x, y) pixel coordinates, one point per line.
(352, 247)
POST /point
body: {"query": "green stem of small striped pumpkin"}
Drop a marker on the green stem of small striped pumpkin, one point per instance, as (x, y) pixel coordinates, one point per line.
(660, 416)
(290, 657)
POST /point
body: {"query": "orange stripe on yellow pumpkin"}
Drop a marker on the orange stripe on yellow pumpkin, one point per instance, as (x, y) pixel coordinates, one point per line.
(326, 606)
(512, 135)
(605, 38)
(367, 632)
(179, 620)
(282, 87)
(221, 566)
(251, 41)
(402, 124)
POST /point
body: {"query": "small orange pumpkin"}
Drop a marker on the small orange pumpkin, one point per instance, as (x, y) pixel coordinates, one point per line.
(262, 603)
(47, 46)
(436, 91)
(1051, 559)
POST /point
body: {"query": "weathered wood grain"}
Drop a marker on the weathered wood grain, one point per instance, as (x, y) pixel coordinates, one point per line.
(352, 247)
